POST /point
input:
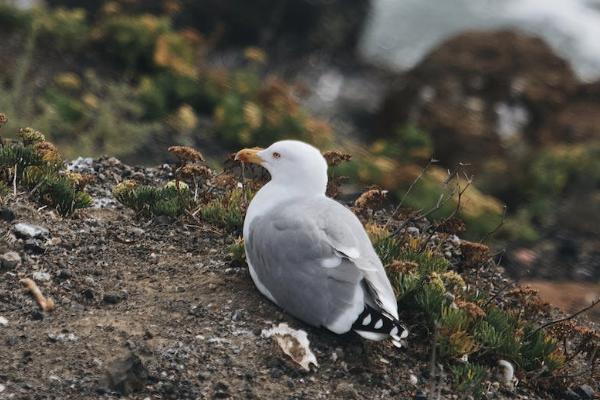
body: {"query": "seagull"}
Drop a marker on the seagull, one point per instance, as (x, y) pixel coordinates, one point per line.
(309, 254)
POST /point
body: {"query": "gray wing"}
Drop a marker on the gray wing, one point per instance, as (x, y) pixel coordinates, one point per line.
(314, 259)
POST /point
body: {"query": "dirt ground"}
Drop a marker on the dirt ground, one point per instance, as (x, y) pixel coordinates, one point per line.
(155, 309)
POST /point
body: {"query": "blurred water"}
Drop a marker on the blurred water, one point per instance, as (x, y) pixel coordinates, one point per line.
(401, 32)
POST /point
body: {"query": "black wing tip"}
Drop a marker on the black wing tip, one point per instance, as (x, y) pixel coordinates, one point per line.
(374, 321)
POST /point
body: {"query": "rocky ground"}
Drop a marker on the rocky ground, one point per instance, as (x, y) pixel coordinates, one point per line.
(157, 309)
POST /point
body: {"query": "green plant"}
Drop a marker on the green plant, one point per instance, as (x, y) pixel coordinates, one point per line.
(469, 378)
(35, 164)
(55, 190)
(151, 201)
(438, 298)
(237, 252)
(227, 210)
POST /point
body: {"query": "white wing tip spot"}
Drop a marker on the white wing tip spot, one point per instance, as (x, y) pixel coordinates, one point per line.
(367, 320)
(378, 324)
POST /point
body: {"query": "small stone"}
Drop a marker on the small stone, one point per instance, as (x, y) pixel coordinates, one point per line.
(64, 274)
(33, 246)
(127, 374)
(134, 230)
(37, 315)
(413, 379)
(586, 391)
(198, 311)
(571, 395)
(7, 214)
(2, 388)
(221, 391)
(30, 231)
(162, 220)
(113, 297)
(10, 260)
(413, 230)
(41, 276)
(420, 396)
(346, 391)
(11, 340)
(3, 321)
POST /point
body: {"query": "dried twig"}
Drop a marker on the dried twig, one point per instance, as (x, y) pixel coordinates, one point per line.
(460, 192)
(495, 296)
(567, 318)
(500, 224)
(419, 215)
(46, 304)
(417, 179)
(15, 181)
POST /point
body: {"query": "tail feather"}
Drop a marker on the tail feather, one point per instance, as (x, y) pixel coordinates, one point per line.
(377, 325)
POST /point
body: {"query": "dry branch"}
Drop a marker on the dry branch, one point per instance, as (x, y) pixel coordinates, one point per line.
(567, 318)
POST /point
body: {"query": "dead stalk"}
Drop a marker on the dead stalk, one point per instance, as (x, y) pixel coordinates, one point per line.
(15, 181)
(567, 318)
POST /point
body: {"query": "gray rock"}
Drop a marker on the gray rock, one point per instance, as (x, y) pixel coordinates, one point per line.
(413, 230)
(34, 246)
(571, 395)
(10, 260)
(3, 321)
(221, 391)
(30, 231)
(127, 374)
(41, 276)
(586, 391)
(113, 297)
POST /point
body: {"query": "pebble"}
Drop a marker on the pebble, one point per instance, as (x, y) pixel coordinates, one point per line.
(413, 379)
(2, 388)
(37, 315)
(221, 391)
(41, 276)
(571, 395)
(88, 293)
(420, 396)
(346, 391)
(10, 260)
(62, 337)
(127, 374)
(3, 321)
(34, 246)
(586, 392)
(7, 215)
(413, 230)
(134, 230)
(113, 297)
(30, 231)
(64, 274)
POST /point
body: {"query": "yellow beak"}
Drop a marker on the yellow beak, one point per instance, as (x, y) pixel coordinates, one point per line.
(249, 156)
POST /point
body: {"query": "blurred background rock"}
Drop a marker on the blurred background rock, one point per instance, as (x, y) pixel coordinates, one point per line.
(509, 90)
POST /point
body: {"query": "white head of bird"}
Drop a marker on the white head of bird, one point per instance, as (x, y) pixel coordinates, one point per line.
(291, 161)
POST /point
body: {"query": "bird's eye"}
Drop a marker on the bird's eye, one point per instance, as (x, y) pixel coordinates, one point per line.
(276, 155)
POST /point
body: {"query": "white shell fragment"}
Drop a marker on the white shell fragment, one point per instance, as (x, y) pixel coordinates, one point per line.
(508, 372)
(294, 343)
